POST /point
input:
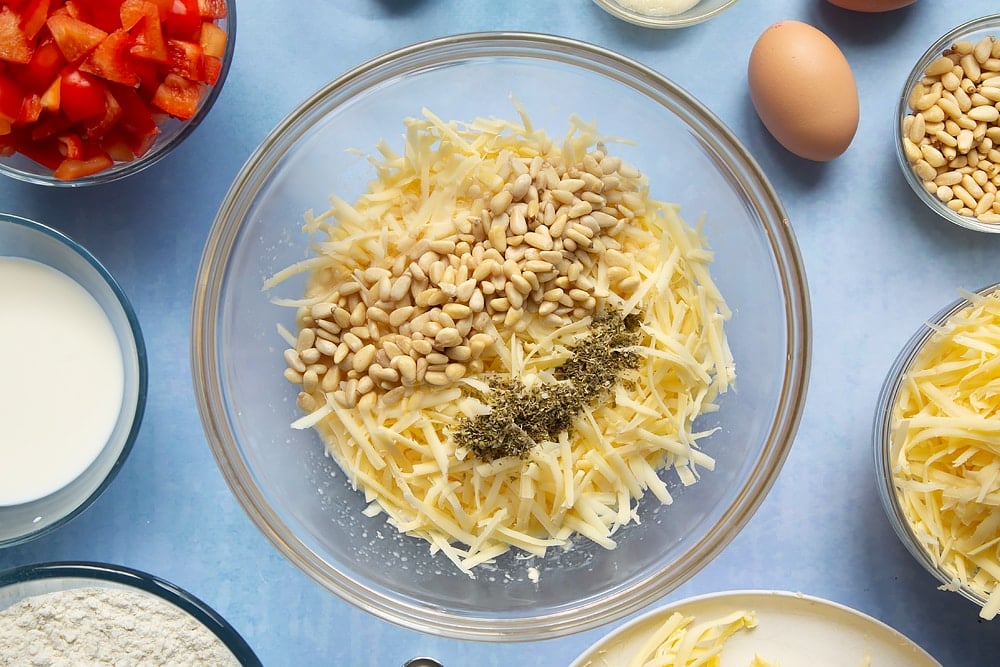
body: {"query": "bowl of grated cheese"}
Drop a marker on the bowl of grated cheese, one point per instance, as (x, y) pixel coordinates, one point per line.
(502, 366)
(937, 447)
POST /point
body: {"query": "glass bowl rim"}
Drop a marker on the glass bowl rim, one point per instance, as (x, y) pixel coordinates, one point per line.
(142, 365)
(687, 18)
(143, 581)
(882, 439)
(991, 21)
(615, 603)
(120, 170)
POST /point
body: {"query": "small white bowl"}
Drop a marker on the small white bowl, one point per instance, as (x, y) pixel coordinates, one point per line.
(30, 519)
(652, 17)
(792, 629)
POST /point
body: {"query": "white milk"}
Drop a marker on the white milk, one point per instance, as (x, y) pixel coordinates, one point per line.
(61, 379)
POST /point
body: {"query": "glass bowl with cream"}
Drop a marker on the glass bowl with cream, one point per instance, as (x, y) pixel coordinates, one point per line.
(664, 13)
(521, 466)
(937, 447)
(73, 380)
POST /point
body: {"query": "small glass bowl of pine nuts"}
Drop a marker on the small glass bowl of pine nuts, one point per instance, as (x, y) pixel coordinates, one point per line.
(948, 136)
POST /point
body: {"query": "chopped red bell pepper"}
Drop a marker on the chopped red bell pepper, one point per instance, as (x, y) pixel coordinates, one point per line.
(185, 59)
(183, 21)
(100, 13)
(11, 99)
(212, 9)
(211, 70)
(15, 46)
(212, 39)
(86, 83)
(43, 68)
(81, 95)
(52, 97)
(111, 59)
(33, 17)
(178, 96)
(71, 169)
(31, 109)
(70, 145)
(43, 150)
(75, 38)
(142, 19)
(97, 126)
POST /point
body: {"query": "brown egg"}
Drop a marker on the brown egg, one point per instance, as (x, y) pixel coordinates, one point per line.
(871, 6)
(803, 90)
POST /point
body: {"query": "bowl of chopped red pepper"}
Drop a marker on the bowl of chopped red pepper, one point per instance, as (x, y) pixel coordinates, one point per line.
(94, 90)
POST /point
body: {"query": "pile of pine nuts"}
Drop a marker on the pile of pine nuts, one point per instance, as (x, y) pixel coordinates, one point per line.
(429, 316)
(952, 136)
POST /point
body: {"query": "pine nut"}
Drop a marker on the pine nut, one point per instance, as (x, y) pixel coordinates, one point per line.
(363, 358)
(447, 337)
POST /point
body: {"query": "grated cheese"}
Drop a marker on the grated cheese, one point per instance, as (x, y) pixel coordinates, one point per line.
(402, 456)
(946, 448)
(680, 642)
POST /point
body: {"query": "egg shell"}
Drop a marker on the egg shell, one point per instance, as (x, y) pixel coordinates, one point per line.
(871, 6)
(803, 90)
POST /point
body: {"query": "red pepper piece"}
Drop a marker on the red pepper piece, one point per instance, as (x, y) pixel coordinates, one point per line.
(136, 119)
(31, 109)
(33, 17)
(178, 96)
(142, 19)
(117, 145)
(212, 9)
(211, 70)
(44, 151)
(102, 14)
(212, 39)
(183, 21)
(71, 169)
(111, 60)
(98, 126)
(15, 46)
(43, 68)
(81, 96)
(70, 145)
(75, 38)
(11, 99)
(185, 59)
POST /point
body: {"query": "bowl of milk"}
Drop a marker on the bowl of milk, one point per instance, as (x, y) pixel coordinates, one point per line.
(73, 376)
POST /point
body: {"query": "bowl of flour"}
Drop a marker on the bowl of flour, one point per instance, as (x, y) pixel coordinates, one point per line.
(664, 13)
(74, 613)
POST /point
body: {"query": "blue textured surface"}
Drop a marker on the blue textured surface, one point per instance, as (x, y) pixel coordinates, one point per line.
(878, 265)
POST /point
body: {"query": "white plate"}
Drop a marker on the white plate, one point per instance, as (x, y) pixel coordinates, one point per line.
(792, 629)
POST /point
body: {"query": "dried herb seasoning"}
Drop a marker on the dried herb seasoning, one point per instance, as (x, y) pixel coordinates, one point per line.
(520, 417)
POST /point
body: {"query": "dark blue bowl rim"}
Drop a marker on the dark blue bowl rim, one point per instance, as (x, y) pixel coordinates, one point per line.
(149, 583)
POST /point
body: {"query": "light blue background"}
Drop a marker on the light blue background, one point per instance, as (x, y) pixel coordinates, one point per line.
(878, 265)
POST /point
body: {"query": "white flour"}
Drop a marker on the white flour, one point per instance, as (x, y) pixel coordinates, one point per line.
(93, 626)
(659, 7)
